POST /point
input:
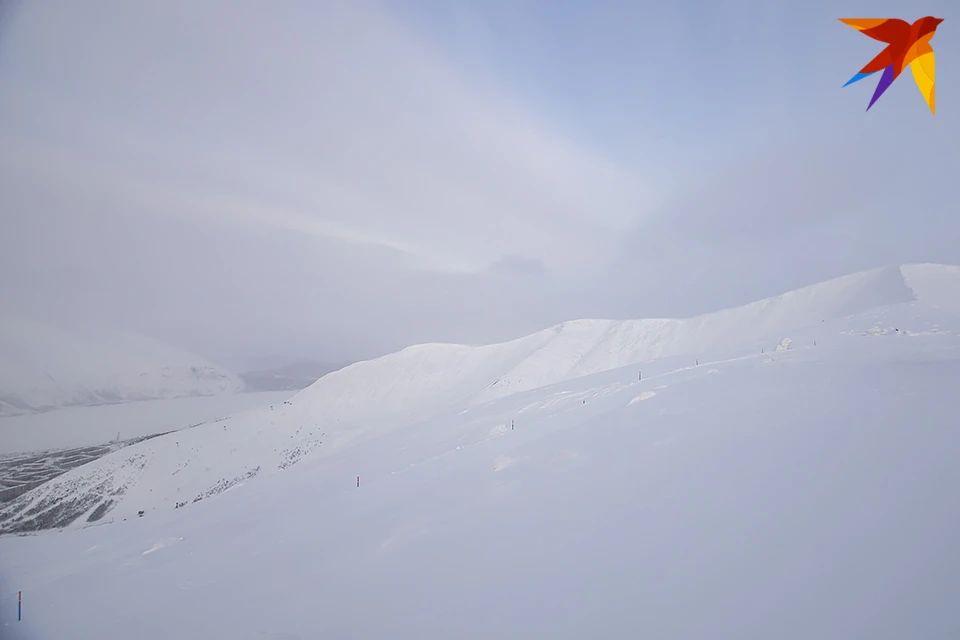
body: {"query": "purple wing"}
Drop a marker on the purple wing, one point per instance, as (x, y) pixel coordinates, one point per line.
(885, 81)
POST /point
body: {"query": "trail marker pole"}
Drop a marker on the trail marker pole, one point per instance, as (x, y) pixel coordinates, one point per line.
(19, 604)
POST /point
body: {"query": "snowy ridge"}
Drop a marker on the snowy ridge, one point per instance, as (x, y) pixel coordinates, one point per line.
(370, 399)
(805, 493)
(935, 284)
(447, 373)
(44, 368)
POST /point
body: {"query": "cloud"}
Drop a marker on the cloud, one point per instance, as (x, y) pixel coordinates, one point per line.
(517, 265)
(809, 206)
(329, 121)
(343, 179)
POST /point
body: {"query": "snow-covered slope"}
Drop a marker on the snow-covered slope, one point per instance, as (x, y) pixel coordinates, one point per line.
(73, 427)
(439, 374)
(806, 492)
(44, 368)
(368, 399)
(936, 284)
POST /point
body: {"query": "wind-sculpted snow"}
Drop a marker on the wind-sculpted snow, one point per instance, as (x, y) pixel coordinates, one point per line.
(368, 400)
(935, 284)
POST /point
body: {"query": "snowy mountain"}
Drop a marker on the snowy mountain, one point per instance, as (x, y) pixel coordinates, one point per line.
(425, 377)
(784, 469)
(368, 399)
(43, 368)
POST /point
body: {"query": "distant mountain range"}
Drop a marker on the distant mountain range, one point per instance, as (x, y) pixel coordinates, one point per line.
(43, 367)
(290, 377)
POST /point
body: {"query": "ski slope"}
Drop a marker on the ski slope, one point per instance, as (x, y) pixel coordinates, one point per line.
(44, 368)
(797, 492)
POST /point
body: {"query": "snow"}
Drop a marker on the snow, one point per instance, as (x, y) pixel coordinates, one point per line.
(89, 426)
(43, 367)
(369, 399)
(937, 284)
(646, 395)
(800, 493)
(450, 373)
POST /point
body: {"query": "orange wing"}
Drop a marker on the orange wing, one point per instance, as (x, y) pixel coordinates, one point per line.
(889, 30)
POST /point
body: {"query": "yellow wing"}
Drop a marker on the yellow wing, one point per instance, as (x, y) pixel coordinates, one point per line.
(861, 24)
(924, 67)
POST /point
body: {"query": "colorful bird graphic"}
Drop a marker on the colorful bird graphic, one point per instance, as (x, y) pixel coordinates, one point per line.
(907, 44)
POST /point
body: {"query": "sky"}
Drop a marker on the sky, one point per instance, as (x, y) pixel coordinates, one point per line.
(337, 180)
